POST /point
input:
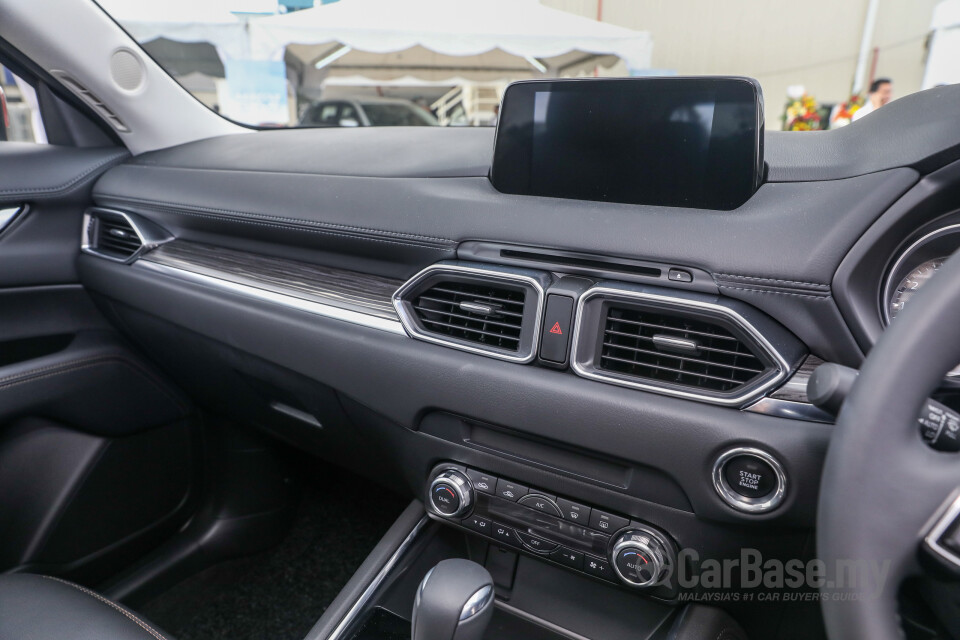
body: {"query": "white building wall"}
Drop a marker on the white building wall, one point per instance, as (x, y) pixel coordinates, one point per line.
(814, 43)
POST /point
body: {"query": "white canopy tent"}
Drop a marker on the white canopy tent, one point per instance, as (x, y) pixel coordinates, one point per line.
(944, 53)
(183, 21)
(436, 40)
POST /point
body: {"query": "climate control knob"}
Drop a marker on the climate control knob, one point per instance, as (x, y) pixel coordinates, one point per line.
(451, 494)
(640, 558)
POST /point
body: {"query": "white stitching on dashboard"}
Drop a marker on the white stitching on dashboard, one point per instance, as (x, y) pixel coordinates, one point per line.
(322, 232)
(823, 296)
(734, 276)
(185, 209)
(140, 623)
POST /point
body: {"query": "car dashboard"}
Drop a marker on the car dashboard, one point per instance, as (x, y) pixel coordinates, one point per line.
(572, 368)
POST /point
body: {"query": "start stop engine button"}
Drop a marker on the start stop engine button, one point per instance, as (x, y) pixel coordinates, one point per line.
(749, 476)
(749, 480)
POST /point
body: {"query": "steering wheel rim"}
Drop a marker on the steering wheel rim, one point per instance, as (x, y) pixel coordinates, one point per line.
(881, 483)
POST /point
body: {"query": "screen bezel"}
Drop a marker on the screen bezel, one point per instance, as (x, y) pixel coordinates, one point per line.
(523, 91)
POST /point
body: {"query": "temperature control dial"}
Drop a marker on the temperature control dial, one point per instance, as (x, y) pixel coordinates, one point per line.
(451, 494)
(641, 558)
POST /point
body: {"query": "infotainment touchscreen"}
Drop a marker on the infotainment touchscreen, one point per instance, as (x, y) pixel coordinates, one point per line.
(681, 142)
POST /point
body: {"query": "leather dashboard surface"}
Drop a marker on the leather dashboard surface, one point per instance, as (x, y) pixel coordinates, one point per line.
(790, 232)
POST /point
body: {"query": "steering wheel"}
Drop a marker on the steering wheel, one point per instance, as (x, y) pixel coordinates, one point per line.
(883, 487)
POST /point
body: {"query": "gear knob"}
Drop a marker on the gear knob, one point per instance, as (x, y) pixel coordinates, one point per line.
(454, 602)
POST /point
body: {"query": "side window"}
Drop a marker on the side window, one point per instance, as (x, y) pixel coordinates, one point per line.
(20, 110)
(328, 115)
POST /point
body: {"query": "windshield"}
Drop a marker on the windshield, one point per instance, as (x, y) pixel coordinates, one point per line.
(359, 63)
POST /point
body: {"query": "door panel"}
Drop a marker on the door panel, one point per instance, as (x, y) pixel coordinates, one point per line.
(53, 185)
(97, 449)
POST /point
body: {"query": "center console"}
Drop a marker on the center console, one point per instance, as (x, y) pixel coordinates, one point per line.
(428, 579)
(579, 537)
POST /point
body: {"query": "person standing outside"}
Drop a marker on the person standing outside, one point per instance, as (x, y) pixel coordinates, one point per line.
(881, 92)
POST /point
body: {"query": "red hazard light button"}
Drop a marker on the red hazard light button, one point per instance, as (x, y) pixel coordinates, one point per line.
(554, 337)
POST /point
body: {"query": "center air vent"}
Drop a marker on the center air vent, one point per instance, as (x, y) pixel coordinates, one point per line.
(678, 350)
(480, 309)
(119, 236)
(488, 314)
(720, 351)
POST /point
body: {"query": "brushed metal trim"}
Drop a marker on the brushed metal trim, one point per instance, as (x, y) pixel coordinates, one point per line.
(336, 287)
(300, 304)
(790, 400)
(503, 274)
(371, 589)
(790, 409)
(795, 389)
(762, 504)
(150, 235)
(610, 293)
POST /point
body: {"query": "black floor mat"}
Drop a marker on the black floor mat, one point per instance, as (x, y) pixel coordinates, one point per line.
(280, 594)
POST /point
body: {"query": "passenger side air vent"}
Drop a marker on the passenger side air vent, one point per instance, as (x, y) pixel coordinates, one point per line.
(485, 310)
(488, 314)
(720, 351)
(116, 237)
(119, 236)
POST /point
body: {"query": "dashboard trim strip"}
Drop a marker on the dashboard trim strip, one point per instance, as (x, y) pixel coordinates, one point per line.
(300, 304)
(792, 409)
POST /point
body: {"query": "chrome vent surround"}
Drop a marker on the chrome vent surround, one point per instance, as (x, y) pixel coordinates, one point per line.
(119, 236)
(489, 310)
(488, 314)
(684, 345)
(115, 236)
(646, 343)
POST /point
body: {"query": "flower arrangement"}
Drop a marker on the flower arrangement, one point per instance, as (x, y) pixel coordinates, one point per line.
(843, 113)
(802, 113)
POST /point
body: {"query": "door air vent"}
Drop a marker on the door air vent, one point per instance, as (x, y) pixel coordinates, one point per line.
(116, 237)
(119, 236)
(687, 345)
(481, 309)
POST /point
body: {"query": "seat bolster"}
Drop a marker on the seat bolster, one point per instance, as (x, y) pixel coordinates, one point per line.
(46, 608)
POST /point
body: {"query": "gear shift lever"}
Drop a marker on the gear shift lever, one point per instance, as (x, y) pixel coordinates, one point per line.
(454, 602)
